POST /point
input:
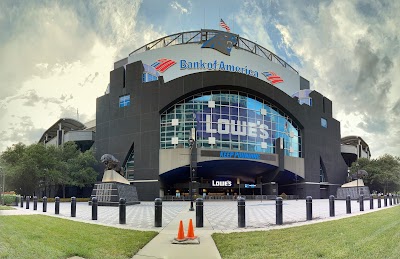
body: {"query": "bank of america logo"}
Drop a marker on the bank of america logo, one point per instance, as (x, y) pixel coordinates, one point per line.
(163, 64)
(272, 77)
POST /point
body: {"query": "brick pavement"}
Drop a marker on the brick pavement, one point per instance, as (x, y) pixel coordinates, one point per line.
(222, 215)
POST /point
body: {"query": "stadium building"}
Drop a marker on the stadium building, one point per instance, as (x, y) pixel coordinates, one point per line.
(221, 112)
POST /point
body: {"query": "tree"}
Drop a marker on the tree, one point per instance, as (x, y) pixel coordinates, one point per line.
(75, 168)
(21, 169)
(38, 167)
(383, 172)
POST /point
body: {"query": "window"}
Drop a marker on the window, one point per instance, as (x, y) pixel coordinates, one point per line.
(324, 123)
(147, 77)
(124, 100)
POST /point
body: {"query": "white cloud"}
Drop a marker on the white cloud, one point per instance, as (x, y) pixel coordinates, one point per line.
(183, 10)
(286, 37)
(253, 22)
(56, 58)
(350, 51)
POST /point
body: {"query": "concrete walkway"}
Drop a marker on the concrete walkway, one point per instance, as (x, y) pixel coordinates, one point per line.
(161, 246)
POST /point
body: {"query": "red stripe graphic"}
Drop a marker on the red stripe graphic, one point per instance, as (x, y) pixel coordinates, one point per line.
(273, 77)
(164, 64)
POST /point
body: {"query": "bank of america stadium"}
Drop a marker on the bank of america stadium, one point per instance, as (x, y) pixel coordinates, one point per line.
(211, 111)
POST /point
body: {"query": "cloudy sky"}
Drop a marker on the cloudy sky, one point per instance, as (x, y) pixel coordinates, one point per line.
(56, 55)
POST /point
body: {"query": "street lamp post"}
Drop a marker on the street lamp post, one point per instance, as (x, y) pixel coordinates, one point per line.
(3, 174)
(358, 194)
(192, 143)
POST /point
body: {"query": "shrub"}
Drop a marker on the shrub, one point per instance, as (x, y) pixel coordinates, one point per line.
(9, 199)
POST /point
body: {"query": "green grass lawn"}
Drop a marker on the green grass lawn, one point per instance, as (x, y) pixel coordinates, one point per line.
(373, 235)
(39, 236)
(6, 208)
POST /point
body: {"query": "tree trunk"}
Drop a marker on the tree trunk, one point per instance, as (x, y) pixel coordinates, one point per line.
(63, 187)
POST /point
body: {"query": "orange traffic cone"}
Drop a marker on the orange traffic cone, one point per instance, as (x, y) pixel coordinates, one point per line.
(181, 233)
(190, 234)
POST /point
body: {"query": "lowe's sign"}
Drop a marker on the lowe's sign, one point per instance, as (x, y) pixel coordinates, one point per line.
(232, 123)
(215, 183)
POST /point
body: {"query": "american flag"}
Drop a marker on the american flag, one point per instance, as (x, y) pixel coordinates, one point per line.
(224, 25)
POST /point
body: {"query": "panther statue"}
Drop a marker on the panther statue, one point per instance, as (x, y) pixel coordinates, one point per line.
(111, 163)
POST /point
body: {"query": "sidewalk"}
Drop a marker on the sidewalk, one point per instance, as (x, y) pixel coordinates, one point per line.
(161, 246)
(17, 211)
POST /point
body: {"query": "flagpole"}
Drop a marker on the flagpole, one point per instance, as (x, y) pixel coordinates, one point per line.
(219, 15)
(204, 18)
(233, 24)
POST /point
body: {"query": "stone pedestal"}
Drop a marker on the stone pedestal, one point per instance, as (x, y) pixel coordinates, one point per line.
(108, 194)
(354, 192)
(110, 176)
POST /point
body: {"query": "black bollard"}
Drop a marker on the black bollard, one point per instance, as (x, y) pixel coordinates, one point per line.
(279, 211)
(385, 200)
(241, 212)
(16, 201)
(44, 204)
(390, 200)
(361, 202)
(57, 205)
(22, 202)
(27, 202)
(94, 208)
(371, 203)
(309, 207)
(199, 213)
(34, 202)
(331, 206)
(158, 213)
(73, 207)
(379, 201)
(348, 204)
(122, 211)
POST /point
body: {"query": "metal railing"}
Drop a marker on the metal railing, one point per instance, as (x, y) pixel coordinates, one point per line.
(206, 34)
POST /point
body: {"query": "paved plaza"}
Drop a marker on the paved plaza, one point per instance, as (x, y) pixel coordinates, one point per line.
(221, 215)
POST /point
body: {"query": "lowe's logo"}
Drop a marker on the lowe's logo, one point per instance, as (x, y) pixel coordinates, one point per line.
(221, 183)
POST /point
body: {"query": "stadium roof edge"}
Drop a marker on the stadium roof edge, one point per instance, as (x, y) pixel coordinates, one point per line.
(203, 35)
(67, 124)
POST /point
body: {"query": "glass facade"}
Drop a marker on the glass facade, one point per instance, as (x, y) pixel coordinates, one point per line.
(229, 120)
